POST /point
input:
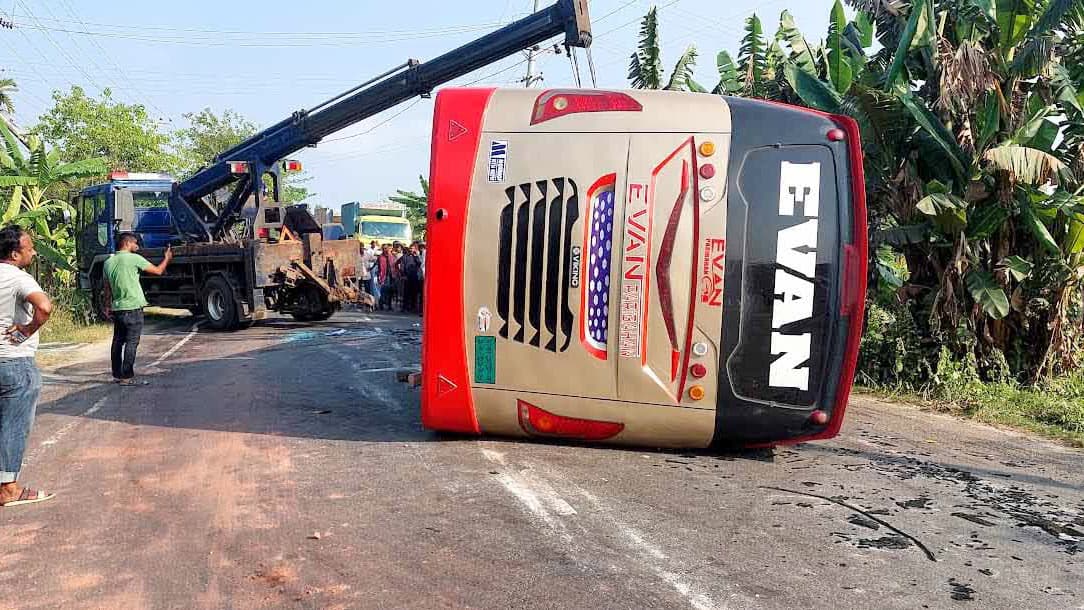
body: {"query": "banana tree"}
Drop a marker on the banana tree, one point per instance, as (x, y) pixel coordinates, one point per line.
(973, 131)
(646, 70)
(35, 181)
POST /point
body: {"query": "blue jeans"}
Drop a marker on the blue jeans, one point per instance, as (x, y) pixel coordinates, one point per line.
(20, 386)
(376, 289)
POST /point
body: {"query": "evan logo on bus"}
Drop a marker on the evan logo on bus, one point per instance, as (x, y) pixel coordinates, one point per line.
(711, 282)
(796, 253)
(634, 263)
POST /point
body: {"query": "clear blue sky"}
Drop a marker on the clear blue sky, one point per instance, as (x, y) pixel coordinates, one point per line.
(179, 57)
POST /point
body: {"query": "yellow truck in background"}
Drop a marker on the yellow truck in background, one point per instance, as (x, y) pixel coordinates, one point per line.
(384, 223)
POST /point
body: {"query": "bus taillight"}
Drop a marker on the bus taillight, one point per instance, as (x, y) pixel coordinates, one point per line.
(558, 103)
(539, 422)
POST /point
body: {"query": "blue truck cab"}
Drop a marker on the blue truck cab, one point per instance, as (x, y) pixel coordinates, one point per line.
(128, 202)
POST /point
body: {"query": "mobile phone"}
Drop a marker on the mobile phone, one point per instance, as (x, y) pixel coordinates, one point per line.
(17, 337)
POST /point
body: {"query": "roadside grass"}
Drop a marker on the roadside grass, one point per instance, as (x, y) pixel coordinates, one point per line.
(64, 328)
(1055, 410)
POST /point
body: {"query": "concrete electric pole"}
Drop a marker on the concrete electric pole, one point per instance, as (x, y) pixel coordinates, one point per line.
(531, 78)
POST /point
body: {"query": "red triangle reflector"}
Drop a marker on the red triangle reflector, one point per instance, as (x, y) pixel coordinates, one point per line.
(456, 131)
(444, 385)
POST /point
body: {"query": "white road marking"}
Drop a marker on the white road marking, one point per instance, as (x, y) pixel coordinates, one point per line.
(535, 494)
(66, 428)
(179, 345)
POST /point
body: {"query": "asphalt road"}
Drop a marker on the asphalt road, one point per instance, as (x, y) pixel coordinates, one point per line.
(283, 466)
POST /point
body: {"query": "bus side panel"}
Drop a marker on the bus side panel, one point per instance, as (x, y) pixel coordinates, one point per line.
(670, 299)
(537, 298)
(501, 412)
(457, 130)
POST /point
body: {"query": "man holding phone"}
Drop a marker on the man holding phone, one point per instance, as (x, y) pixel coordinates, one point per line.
(125, 301)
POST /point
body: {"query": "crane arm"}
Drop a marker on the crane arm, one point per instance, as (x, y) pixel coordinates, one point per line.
(309, 127)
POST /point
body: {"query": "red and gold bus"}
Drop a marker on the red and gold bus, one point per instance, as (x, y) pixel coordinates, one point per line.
(648, 268)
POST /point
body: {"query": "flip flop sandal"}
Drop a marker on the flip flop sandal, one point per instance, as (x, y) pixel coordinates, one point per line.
(29, 496)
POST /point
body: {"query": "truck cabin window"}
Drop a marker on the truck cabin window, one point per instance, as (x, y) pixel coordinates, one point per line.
(386, 230)
(151, 199)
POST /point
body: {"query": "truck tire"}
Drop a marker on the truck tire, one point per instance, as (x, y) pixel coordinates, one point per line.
(218, 304)
(97, 296)
(313, 305)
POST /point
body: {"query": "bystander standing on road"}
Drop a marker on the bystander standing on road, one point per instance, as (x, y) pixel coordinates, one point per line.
(366, 270)
(421, 287)
(410, 271)
(374, 271)
(400, 281)
(125, 302)
(386, 274)
(24, 308)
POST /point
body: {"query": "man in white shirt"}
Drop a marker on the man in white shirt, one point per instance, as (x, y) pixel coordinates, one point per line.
(24, 308)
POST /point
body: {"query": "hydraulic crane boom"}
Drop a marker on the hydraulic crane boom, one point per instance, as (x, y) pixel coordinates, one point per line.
(305, 128)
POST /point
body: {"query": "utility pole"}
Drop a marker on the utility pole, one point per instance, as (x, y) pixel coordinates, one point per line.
(531, 78)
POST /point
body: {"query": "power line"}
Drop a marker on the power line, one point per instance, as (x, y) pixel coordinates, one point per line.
(218, 42)
(60, 49)
(109, 59)
(378, 125)
(290, 33)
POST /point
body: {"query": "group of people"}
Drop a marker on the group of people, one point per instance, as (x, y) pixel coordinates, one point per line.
(24, 309)
(394, 274)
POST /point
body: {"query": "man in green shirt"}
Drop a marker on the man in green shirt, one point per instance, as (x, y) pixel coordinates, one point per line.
(124, 302)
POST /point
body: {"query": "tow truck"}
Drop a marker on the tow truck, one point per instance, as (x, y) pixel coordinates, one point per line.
(250, 254)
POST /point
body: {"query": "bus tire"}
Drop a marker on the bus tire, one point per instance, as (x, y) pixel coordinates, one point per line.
(218, 304)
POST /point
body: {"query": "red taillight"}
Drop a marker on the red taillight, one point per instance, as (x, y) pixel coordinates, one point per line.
(698, 370)
(263, 233)
(291, 166)
(557, 103)
(539, 422)
(118, 175)
(707, 171)
(818, 418)
(238, 167)
(836, 135)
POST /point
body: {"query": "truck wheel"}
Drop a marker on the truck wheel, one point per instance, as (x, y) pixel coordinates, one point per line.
(312, 305)
(218, 304)
(97, 298)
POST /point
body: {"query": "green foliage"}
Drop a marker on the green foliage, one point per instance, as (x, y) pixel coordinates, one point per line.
(207, 136)
(729, 80)
(123, 135)
(646, 70)
(417, 205)
(7, 87)
(752, 58)
(988, 294)
(840, 72)
(36, 183)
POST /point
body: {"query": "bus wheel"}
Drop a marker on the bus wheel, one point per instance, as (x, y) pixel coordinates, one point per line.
(218, 304)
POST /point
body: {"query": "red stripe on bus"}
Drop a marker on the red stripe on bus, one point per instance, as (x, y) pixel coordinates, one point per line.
(693, 275)
(447, 403)
(651, 220)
